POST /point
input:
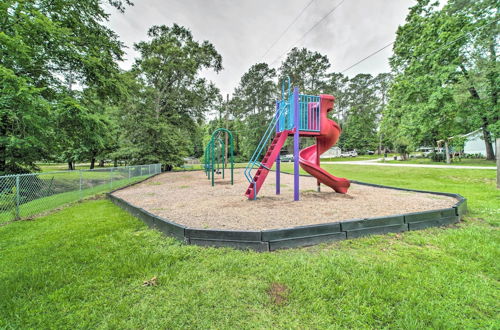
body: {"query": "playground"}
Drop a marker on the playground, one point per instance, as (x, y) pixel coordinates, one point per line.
(187, 199)
(281, 210)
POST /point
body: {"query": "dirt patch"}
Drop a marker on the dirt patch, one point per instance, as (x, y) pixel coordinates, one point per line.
(278, 293)
(189, 199)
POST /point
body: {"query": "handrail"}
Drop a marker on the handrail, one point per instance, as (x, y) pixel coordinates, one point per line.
(282, 111)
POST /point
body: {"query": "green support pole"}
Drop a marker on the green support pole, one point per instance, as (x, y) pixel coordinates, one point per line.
(213, 163)
(216, 144)
(232, 159)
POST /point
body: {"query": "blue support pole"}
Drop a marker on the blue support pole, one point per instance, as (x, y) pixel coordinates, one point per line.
(296, 125)
(278, 161)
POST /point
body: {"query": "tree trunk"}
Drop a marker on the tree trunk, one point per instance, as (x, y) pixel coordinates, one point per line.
(447, 150)
(498, 163)
(3, 161)
(487, 142)
(115, 162)
(92, 163)
(101, 163)
(379, 151)
(484, 121)
(70, 165)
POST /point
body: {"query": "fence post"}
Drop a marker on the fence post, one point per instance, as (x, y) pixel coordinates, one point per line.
(111, 178)
(141, 170)
(17, 197)
(81, 181)
(128, 173)
(149, 169)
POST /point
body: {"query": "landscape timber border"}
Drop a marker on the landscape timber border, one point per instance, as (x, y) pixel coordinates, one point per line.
(300, 236)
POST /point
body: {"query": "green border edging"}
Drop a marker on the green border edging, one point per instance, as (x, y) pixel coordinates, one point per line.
(274, 239)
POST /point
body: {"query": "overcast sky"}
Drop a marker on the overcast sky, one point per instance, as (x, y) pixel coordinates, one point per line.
(243, 30)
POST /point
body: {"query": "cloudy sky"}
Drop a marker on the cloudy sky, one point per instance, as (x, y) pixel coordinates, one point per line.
(243, 30)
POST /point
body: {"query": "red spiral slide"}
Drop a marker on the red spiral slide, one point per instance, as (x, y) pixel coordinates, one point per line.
(309, 157)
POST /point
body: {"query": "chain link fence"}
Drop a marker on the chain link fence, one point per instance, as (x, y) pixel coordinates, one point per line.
(25, 195)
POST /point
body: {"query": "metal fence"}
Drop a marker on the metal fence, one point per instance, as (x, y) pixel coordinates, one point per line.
(25, 195)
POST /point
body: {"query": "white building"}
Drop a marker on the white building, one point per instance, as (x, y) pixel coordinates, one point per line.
(333, 152)
(474, 144)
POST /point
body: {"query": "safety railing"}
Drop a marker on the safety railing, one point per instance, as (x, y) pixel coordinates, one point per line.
(309, 114)
(26, 195)
(281, 112)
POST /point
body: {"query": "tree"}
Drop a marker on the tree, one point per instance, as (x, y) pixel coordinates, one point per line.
(306, 69)
(166, 100)
(46, 48)
(360, 127)
(336, 84)
(25, 130)
(81, 133)
(433, 57)
(254, 104)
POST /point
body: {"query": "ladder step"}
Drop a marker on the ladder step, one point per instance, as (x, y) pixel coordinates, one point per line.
(264, 166)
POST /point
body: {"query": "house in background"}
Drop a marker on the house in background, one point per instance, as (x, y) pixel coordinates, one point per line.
(474, 143)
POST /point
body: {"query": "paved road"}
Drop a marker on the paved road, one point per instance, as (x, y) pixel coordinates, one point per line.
(376, 162)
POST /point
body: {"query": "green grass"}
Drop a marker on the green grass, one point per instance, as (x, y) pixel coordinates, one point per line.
(462, 162)
(84, 266)
(196, 167)
(44, 204)
(51, 167)
(350, 159)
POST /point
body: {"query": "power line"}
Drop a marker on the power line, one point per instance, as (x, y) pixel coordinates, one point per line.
(367, 57)
(312, 28)
(287, 28)
(432, 52)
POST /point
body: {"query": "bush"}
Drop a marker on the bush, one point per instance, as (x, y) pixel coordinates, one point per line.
(473, 156)
(437, 156)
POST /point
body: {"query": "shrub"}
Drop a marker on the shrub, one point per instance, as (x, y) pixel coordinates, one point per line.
(437, 156)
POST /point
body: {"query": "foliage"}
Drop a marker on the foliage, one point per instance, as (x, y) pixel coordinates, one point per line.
(24, 127)
(253, 106)
(166, 100)
(306, 69)
(446, 74)
(437, 156)
(47, 48)
(364, 108)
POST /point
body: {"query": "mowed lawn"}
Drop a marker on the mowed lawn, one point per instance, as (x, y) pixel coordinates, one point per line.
(84, 267)
(456, 162)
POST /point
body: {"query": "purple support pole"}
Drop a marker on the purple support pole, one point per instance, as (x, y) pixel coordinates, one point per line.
(318, 184)
(296, 124)
(278, 161)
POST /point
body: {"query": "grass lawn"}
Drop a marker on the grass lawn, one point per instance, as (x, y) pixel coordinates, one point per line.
(345, 159)
(48, 203)
(50, 167)
(195, 167)
(84, 267)
(462, 162)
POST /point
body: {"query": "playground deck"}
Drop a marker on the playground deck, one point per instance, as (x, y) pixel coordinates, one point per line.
(188, 199)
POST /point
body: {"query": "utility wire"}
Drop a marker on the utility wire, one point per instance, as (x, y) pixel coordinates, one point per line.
(432, 52)
(367, 57)
(308, 31)
(287, 28)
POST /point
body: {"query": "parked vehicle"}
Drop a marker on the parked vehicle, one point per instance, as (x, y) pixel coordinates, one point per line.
(286, 158)
(352, 153)
(426, 151)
